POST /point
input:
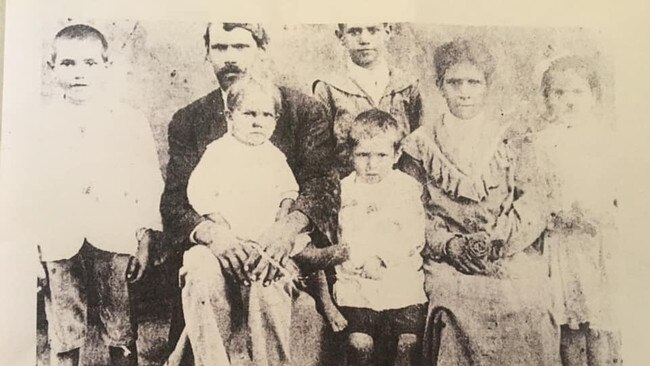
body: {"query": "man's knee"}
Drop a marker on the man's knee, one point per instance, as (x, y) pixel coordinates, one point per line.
(360, 344)
(201, 269)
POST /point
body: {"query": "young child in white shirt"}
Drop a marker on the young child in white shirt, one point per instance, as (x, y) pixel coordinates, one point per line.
(96, 188)
(243, 181)
(379, 287)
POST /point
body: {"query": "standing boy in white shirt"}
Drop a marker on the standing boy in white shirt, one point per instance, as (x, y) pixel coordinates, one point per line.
(96, 188)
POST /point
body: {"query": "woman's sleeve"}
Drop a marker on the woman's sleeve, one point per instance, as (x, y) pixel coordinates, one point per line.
(438, 234)
(531, 207)
(411, 166)
(415, 155)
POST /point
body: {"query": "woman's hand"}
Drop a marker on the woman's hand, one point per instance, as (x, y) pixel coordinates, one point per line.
(458, 255)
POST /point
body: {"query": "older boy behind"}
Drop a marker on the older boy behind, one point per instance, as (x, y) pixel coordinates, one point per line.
(367, 83)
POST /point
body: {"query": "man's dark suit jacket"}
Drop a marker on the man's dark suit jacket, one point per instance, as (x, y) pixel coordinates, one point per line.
(303, 134)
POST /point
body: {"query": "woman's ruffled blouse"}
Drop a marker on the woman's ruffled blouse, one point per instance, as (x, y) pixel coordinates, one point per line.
(477, 194)
(423, 145)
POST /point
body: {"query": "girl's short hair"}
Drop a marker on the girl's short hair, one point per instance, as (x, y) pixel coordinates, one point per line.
(580, 66)
(373, 123)
(259, 86)
(463, 50)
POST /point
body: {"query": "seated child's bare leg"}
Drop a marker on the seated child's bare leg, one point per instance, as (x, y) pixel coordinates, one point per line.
(69, 358)
(360, 349)
(324, 302)
(407, 350)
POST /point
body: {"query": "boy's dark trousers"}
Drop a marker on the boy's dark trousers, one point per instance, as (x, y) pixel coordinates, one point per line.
(91, 276)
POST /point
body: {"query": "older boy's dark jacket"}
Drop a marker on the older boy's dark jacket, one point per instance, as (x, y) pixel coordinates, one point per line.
(303, 134)
(344, 99)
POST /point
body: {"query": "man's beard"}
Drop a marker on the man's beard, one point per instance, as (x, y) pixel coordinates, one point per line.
(228, 75)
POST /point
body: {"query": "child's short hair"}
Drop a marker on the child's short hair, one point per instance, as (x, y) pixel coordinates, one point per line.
(343, 25)
(373, 123)
(463, 50)
(82, 32)
(258, 32)
(581, 67)
(248, 84)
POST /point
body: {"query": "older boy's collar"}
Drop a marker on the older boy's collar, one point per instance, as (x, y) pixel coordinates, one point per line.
(397, 82)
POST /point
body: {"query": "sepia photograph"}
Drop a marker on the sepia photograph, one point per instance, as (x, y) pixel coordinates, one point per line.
(201, 192)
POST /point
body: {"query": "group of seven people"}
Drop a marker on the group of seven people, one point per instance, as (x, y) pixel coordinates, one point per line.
(424, 238)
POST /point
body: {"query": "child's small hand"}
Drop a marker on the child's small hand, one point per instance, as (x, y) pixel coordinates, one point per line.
(374, 268)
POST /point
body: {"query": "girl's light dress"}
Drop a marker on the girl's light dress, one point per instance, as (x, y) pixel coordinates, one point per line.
(578, 161)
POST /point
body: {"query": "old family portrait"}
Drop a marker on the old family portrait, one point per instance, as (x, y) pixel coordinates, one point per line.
(345, 194)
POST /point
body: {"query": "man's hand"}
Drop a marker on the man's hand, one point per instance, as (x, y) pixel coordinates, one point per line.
(277, 242)
(458, 256)
(231, 252)
(139, 264)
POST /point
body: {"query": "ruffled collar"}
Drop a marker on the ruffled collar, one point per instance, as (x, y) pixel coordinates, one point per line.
(447, 174)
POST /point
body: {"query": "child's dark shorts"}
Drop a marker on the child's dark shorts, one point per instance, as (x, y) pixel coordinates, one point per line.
(386, 323)
(91, 272)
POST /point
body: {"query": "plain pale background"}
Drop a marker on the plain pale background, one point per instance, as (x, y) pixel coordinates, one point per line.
(622, 30)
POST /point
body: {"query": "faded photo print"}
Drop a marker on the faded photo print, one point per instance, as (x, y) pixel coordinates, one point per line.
(215, 193)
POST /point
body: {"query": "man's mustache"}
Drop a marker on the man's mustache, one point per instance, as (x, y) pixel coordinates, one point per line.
(230, 69)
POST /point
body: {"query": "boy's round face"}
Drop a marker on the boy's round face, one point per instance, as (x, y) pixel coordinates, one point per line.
(79, 67)
(253, 121)
(373, 158)
(569, 95)
(365, 42)
(465, 88)
(231, 53)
